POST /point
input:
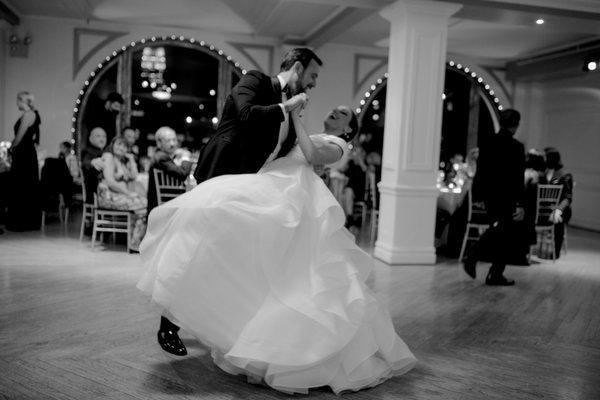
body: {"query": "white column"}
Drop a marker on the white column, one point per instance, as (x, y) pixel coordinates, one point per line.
(413, 120)
(4, 125)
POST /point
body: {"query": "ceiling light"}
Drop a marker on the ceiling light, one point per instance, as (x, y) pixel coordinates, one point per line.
(540, 21)
(592, 65)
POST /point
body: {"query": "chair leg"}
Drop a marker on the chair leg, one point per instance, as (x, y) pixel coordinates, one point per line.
(464, 244)
(373, 225)
(553, 244)
(43, 220)
(128, 231)
(94, 231)
(83, 218)
(564, 243)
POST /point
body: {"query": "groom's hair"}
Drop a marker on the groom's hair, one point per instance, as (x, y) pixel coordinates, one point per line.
(301, 54)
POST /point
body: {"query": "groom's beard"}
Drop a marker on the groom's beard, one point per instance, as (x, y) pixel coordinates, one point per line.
(297, 90)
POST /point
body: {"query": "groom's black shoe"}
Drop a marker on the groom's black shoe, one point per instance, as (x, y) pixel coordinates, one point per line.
(498, 281)
(470, 267)
(170, 342)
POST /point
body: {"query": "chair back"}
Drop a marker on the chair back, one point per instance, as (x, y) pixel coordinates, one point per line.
(84, 193)
(371, 189)
(548, 197)
(167, 187)
(477, 213)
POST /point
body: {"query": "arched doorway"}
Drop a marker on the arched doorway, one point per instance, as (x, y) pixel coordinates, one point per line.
(175, 81)
(470, 112)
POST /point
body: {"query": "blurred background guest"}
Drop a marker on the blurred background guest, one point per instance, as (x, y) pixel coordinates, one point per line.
(471, 162)
(556, 175)
(57, 180)
(105, 115)
(356, 171)
(501, 170)
(535, 167)
(24, 211)
(168, 157)
(131, 137)
(66, 153)
(91, 162)
(119, 189)
(4, 179)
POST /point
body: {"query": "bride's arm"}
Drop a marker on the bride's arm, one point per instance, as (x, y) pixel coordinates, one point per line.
(328, 153)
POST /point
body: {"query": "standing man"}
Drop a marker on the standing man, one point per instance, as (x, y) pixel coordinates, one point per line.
(500, 183)
(105, 115)
(255, 127)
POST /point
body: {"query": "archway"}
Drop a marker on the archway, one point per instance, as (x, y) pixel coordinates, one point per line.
(168, 80)
(470, 112)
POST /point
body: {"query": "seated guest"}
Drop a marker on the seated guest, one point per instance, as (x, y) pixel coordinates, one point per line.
(66, 154)
(4, 179)
(55, 181)
(534, 174)
(555, 175)
(168, 158)
(355, 190)
(91, 162)
(119, 189)
(130, 136)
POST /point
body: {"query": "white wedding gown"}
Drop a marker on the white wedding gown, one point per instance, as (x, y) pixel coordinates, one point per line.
(260, 268)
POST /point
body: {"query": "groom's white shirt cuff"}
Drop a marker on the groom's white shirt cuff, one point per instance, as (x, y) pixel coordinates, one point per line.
(283, 97)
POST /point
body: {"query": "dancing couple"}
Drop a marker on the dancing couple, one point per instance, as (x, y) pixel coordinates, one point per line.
(255, 261)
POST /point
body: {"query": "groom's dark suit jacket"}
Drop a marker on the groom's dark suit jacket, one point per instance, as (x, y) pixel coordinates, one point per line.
(248, 131)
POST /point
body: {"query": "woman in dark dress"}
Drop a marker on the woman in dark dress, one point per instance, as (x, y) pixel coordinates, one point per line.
(24, 210)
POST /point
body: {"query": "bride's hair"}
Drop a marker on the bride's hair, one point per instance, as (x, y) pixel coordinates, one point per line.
(355, 128)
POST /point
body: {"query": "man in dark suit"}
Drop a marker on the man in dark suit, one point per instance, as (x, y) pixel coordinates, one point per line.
(255, 120)
(255, 127)
(499, 182)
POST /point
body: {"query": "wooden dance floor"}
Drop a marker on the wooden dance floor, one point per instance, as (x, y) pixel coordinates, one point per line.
(73, 326)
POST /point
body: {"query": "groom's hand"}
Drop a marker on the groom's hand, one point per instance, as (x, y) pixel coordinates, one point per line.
(297, 101)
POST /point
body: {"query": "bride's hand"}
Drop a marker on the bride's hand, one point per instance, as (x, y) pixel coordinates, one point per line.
(296, 103)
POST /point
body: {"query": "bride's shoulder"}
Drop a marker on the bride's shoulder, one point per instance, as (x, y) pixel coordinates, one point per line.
(335, 139)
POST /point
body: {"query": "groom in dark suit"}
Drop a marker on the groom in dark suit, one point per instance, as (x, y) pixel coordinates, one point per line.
(255, 127)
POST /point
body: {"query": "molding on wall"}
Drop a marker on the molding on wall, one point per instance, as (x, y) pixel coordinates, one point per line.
(493, 72)
(357, 80)
(244, 49)
(78, 62)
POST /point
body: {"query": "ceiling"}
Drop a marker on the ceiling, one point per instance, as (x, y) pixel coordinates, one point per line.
(497, 31)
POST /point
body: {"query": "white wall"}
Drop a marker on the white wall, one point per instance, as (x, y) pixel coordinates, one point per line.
(48, 72)
(566, 114)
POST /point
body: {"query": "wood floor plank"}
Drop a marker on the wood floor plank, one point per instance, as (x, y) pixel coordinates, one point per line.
(73, 326)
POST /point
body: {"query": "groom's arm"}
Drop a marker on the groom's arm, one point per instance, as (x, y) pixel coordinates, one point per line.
(246, 96)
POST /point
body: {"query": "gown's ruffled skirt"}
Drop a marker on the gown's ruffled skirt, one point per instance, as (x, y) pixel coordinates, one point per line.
(260, 268)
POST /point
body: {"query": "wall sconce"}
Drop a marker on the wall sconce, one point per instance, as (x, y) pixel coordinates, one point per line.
(18, 45)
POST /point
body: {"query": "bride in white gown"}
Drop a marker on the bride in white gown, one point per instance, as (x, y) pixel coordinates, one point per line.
(260, 268)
